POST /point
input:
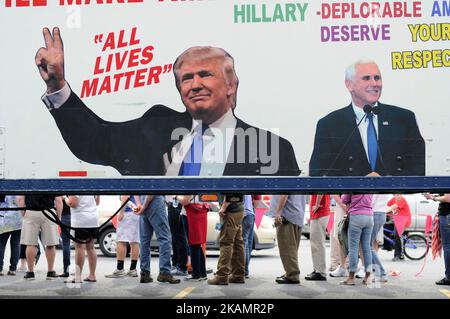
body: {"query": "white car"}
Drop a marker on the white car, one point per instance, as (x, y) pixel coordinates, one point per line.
(264, 236)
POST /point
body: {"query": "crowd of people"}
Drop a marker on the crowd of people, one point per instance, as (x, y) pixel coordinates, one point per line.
(180, 225)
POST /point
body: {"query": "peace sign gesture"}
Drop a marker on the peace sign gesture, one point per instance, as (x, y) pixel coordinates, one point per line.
(50, 60)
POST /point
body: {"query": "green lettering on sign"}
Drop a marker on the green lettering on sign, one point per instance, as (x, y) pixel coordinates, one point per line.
(270, 12)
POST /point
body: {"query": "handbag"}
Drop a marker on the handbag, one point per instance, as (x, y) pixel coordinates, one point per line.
(197, 216)
(343, 234)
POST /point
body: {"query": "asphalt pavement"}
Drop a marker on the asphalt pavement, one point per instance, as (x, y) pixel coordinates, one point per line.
(403, 283)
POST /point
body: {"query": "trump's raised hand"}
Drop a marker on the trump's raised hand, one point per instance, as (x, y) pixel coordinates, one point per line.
(50, 60)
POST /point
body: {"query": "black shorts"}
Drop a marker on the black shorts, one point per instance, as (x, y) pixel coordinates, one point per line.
(86, 233)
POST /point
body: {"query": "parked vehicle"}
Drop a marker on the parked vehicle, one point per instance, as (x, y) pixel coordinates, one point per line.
(264, 235)
(107, 238)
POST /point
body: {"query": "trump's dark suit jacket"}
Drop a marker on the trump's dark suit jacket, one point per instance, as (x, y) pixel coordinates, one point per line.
(137, 147)
(401, 146)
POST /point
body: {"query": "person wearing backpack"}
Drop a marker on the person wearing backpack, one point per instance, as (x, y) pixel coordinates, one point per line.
(34, 221)
(84, 218)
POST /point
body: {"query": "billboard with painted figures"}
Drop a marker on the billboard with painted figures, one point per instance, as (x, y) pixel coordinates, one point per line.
(174, 88)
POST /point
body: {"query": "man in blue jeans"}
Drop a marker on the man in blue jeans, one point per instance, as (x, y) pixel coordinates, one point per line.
(247, 229)
(153, 214)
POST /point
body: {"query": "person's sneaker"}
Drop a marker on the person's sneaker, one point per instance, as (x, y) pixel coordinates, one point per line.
(146, 277)
(118, 273)
(71, 280)
(209, 270)
(23, 268)
(216, 280)
(11, 273)
(178, 272)
(51, 275)
(166, 277)
(396, 258)
(333, 268)
(132, 273)
(236, 280)
(339, 272)
(443, 282)
(247, 276)
(29, 275)
(361, 273)
(192, 278)
(64, 275)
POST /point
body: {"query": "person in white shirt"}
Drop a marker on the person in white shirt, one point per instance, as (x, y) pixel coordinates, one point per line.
(84, 218)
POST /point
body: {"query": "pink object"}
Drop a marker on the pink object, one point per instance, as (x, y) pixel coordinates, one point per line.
(400, 223)
(114, 222)
(428, 228)
(423, 265)
(197, 216)
(330, 223)
(394, 273)
(259, 213)
(436, 242)
(428, 224)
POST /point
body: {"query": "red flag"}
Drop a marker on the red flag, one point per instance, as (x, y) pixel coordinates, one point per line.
(428, 225)
(330, 223)
(400, 223)
(436, 243)
(428, 228)
(259, 213)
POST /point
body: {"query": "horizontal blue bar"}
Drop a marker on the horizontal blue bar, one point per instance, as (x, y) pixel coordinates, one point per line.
(258, 185)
